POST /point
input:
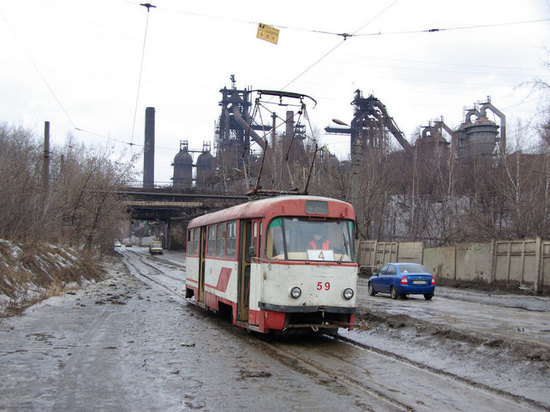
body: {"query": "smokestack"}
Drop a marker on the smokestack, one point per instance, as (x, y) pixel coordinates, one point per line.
(289, 130)
(149, 149)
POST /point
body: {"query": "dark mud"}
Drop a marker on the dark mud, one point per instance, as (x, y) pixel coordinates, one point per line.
(448, 335)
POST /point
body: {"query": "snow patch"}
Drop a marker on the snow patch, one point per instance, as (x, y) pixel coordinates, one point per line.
(26, 281)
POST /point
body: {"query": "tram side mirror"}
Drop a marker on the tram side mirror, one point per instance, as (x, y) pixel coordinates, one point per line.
(252, 251)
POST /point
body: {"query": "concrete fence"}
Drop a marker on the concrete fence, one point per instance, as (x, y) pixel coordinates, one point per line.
(521, 263)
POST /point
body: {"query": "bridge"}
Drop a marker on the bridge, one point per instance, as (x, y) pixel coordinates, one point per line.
(170, 210)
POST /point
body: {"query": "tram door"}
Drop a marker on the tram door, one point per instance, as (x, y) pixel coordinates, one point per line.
(248, 249)
(202, 254)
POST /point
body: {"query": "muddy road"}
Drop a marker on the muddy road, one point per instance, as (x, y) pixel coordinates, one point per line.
(132, 342)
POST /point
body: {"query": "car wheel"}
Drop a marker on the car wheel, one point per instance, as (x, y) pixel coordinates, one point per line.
(393, 293)
(428, 296)
(371, 290)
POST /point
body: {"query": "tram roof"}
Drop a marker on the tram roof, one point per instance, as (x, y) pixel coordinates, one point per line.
(293, 205)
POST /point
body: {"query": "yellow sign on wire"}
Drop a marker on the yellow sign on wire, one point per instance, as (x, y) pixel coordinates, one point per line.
(268, 33)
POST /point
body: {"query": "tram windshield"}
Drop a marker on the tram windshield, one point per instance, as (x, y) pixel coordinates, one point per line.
(300, 238)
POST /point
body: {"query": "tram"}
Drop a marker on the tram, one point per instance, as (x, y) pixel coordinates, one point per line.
(276, 264)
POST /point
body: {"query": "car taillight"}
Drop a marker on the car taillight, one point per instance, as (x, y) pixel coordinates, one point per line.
(433, 280)
(404, 280)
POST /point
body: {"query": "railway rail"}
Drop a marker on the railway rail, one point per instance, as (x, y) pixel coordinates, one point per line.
(379, 379)
(393, 379)
(137, 270)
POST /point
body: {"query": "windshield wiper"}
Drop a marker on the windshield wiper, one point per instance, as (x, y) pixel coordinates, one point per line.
(345, 247)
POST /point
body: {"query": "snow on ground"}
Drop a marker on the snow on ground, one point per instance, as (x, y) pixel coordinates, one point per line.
(499, 340)
(29, 273)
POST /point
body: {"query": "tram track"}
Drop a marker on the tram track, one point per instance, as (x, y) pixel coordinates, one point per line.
(344, 366)
(145, 260)
(323, 375)
(169, 263)
(373, 375)
(138, 272)
(442, 373)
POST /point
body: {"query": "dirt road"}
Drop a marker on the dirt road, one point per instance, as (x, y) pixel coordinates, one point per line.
(132, 342)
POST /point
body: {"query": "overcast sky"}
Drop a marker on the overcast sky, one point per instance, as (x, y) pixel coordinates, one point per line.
(77, 64)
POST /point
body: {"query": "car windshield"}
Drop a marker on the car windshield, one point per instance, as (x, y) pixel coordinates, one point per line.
(293, 238)
(413, 268)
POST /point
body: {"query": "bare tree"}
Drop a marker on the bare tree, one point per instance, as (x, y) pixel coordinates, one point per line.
(81, 208)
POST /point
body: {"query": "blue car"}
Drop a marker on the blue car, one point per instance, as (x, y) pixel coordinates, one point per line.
(402, 279)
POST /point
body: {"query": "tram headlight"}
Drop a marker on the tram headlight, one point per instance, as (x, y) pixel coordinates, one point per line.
(348, 293)
(295, 292)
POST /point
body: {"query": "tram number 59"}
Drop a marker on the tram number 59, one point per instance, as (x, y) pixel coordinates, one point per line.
(321, 286)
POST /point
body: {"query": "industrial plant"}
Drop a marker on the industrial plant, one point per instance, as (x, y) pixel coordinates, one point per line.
(259, 151)
(241, 140)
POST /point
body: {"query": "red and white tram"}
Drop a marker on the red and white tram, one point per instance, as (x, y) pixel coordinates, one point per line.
(276, 264)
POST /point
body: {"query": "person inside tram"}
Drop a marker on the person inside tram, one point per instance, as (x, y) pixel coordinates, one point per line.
(318, 242)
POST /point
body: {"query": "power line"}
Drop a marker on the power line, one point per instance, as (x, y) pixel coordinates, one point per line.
(338, 45)
(432, 30)
(38, 71)
(107, 137)
(346, 35)
(171, 149)
(477, 26)
(148, 6)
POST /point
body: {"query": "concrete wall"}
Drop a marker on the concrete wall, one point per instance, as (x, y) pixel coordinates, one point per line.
(511, 263)
(517, 261)
(410, 252)
(441, 261)
(474, 261)
(371, 254)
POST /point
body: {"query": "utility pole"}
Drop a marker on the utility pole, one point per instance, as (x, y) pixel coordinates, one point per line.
(273, 128)
(356, 153)
(149, 149)
(46, 166)
(148, 5)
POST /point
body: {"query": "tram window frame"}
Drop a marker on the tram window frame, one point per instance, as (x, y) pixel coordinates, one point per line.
(289, 232)
(220, 240)
(211, 241)
(196, 237)
(261, 252)
(275, 240)
(254, 240)
(231, 240)
(189, 242)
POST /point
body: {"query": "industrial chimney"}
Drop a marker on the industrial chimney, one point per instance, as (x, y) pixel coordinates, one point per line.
(149, 149)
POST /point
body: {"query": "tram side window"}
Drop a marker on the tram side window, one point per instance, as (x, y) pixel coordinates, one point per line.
(220, 240)
(189, 242)
(275, 245)
(261, 252)
(211, 244)
(196, 235)
(231, 240)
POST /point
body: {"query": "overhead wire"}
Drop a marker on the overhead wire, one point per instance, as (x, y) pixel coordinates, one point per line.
(344, 35)
(432, 30)
(435, 30)
(106, 137)
(54, 94)
(148, 6)
(338, 45)
(50, 88)
(171, 149)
